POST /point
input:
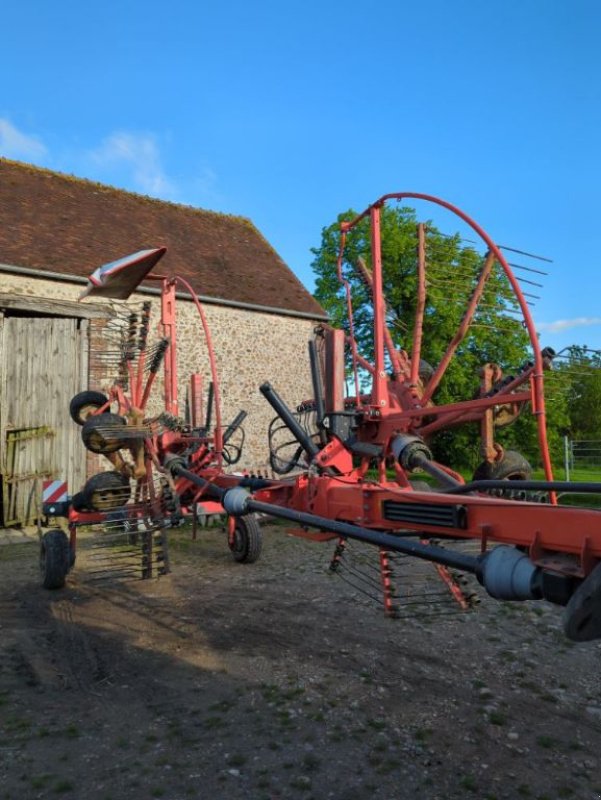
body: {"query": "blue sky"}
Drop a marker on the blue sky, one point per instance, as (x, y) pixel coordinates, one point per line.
(289, 113)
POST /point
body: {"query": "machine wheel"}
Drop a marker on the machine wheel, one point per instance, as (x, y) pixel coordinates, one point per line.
(426, 370)
(55, 558)
(248, 540)
(582, 620)
(100, 433)
(78, 503)
(106, 491)
(84, 404)
(512, 467)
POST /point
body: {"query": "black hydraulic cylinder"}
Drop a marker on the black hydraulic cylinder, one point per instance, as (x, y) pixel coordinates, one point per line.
(287, 417)
(233, 426)
(177, 469)
(317, 390)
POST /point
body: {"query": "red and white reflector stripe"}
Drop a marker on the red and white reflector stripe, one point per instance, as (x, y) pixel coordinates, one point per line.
(54, 491)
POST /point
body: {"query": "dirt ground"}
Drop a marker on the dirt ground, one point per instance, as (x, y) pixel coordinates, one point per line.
(279, 680)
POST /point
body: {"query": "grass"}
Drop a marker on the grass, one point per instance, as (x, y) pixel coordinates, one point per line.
(63, 786)
(302, 782)
(15, 724)
(468, 782)
(388, 766)
(222, 705)
(72, 731)
(546, 742)
(214, 722)
(40, 781)
(236, 760)
(584, 475)
(311, 762)
(377, 724)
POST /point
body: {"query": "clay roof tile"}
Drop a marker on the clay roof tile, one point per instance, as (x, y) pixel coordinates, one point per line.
(59, 223)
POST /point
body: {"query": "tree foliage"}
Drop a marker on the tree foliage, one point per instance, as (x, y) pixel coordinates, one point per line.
(578, 380)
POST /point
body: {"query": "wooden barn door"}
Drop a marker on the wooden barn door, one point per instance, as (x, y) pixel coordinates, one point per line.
(42, 368)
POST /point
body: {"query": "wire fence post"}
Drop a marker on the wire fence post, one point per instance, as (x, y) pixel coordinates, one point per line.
(582, 458)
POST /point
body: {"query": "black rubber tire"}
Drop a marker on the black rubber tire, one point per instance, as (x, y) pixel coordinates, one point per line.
(78, 503)
(425, 371)
(248, 540)
(582, 617)
(102, 442)
(85, 401)
(512, 467)
(106, 491)
(55, 558)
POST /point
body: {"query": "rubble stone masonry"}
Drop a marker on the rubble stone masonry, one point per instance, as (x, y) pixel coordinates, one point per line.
(250, 347)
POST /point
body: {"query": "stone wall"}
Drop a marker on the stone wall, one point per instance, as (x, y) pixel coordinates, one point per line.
(250, 347)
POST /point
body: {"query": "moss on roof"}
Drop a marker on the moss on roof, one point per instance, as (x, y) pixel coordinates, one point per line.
(62, 223)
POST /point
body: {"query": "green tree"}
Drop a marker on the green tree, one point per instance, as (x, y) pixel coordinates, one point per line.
(496, 334)
(583, 367)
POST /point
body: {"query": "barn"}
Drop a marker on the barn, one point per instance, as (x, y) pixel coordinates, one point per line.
(54, 231)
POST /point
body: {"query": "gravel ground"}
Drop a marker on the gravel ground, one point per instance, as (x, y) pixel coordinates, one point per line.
(279, 680)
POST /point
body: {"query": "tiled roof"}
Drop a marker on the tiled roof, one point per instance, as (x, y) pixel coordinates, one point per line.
(57, 223)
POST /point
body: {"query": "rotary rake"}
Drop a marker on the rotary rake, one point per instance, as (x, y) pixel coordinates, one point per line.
(353, 463)
(360, 467)
(131, 506)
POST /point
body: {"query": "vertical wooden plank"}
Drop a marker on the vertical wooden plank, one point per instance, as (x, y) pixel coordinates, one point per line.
(2, 394)
(82, 383)
(84, 354)
(41, 371)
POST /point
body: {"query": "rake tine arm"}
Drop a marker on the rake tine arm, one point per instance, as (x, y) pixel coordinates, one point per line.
(421, 303)
(462, 330)
(399, 364)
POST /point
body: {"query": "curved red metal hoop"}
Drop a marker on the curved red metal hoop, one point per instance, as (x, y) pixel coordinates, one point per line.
(212, 362)
(537, 377)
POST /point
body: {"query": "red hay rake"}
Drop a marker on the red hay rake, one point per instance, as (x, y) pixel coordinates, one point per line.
(138, 500)
(357, 463)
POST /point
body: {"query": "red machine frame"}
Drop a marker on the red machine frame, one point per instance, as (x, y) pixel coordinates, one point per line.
(561, 546)
(148, 440)
(527, 549)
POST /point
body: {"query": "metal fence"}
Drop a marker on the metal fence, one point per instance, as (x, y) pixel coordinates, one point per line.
(582, 459)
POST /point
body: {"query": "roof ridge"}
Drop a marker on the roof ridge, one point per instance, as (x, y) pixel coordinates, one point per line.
(108, 188)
